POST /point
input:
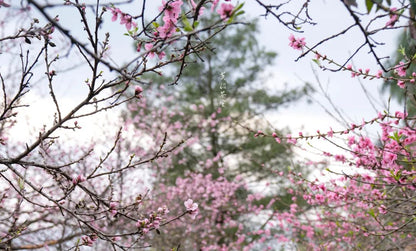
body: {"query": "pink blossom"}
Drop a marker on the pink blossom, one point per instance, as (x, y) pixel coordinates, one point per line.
(393, 18)
(163, 210)
(401, 84)
(400, 69)
(115, 12)
(290, 140)
(382, 209)
(116, 238)
(88, 241)
(191, 207)
(330, 133)
(78, 179)
(379, 74)
(225, 10)
(296, 43)
(161, 55)
(127, 20)
(340, 158)
(148, 48)
(113, 209)
(143, 223)
(137, 91)
(319, 198)
(400, 115)
(170, 18)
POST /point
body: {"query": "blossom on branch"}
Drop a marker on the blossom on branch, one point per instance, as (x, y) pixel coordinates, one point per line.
(225, 10)
(296, 43)
(191, 207)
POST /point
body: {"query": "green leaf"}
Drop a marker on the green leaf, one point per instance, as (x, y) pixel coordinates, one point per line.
(237, 8)
(369, 4)
(241, 12)
(156, 25)
(316, 61)
(371, 213)
(196, 23)
(187, 24)
(21, 183)
(235, 13)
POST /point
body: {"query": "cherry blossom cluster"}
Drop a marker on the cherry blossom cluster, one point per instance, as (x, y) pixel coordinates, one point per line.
(172, 12)
(359, 208)
(125, 19)
(153, 220)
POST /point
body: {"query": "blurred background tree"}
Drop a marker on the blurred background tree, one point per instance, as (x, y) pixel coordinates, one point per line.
(222, 91)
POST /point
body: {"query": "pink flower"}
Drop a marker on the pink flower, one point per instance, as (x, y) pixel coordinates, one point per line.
(148, 48)
(290, 140)
(163, 210)
(78, 179)
(382, 209)
(320, 198)
(191, 207)
(127, 20)
(379, 74)
(113, 209)
(225, 10)
(161, 55)
(170, 18)
(401, 84)
(330, 133)
(115, 12)
(138, 90)
(88, 241)
(116, 238)
(393, 18)
(400, 115)
(296, 43)
(143, 223)
(400, 69)
(340, 158)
